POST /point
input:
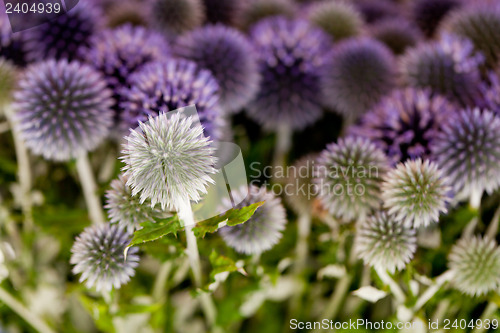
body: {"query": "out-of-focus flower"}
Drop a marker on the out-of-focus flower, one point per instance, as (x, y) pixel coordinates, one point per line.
(263, 230)
(300, 191)
(98, 255)
(63, 109)
(405, 123)
(428, 14)
(358, 73)
(125, 209)
(168, 160)
(134, 12)
(349, 174)
(170, 85)
(374, 11)
(174, 17)
(478, 21)
(468, 151)
(384, 243)
(228, 12)
(8, 79)
(416, 193)
(338, 19)
(257, 10)
(397, 34)
(64, 36)
(475, 263)
(229, 56)
(291, 54)
(449, 66)
(490, 93)
(12, 45)
(119, 53)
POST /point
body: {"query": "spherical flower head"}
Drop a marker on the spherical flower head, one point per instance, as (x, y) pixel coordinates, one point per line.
(449, 67)
(8, 79)
(349, 174)
(397, 34)
(475, 263)
(479, 21)
(338, 19)
(468, 151)
(359, 72)
(98, 255)
(405, 123)
(227, 12)
(384, 243)
(170, 85)
(229, 56)
(174, 17)
(428, 14)
(64, 36)
(63, 109)
(263, 230)
(291, 54)
(258, 10)
(416, 192)
(375, 11)
(300, 190)
(168, 160)
(133, 12)
(126, 209)
(12, 45)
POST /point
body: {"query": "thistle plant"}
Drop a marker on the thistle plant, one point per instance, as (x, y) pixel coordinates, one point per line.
(135, 13)
(8, 79)
(98, 255)
(397, 34)
(468, 151)
(475, 263)
(12, 46)
(174, 17)
(263, 230)
(375, 11)
(357, 75)
(384, 243)
(230, 58)
(258, 10)
(428, 14)
(349, 174)
(415, 193)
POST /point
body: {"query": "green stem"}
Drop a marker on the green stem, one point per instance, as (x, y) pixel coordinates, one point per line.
(394, 287)
(338, 296)
(283, 145)
(487, 314)
(432, 290)
(89, 186)
(301, 250)
(161, 280)
(493, 227)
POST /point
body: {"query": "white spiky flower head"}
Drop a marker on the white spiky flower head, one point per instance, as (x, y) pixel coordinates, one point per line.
(384, 243)
(168, 160)
(416, 192)
(475, 264)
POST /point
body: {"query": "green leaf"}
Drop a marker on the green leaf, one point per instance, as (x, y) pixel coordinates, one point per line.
(222, 264)
(232, 217)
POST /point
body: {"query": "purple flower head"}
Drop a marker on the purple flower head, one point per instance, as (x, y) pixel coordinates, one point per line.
(173, 17)
(489, 97)
(12, 45)
(228, 12)
(428, 14)
(397, 34)
(63, 109)
(405, 123)
(291, 54)
(449, 67)
(170, 85)
(468, 151)
(64, 36)
(358, 73)
(98, 255)
(229, 56)
(119, 53)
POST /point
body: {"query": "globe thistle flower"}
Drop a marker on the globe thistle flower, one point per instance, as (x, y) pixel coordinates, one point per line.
(405, 123)
(98, 255)
(374, 11)
(229, 56)
(291, 54)
(428, 14)
(168, 160)
(349, 174)
(8, 79)
(384, 243)
(174, 17)
(170, 85)
(449, 67)
(357, 75)
(258, 10)
(480, 23)
(263, 230)
(490, 93)
(227, 12)
(135, 13)
(468, 151)
(300, 190)
(12, 45)
(475, 264)
(338, 19)
(416, 193)
(119, 53)
(397, 34)
(125, 209)
(63, 109)
(65, 36)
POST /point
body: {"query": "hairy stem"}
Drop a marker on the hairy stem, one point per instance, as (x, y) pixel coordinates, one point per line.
(492, 230)
(475, 198)
(488, 312)
(89, 186)
(393, 285)
(432, 290)
(283, 145)
(338, 296)
(301, 250)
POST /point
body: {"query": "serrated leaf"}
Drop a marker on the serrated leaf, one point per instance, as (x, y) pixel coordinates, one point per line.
(221, 267)
(232, 217)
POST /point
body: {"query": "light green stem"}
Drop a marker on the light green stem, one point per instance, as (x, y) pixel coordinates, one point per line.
(89, 186)
(432, 290)
(338, 296)
(283, 145)
(395, 288)
(488, 312)
(301, 250)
